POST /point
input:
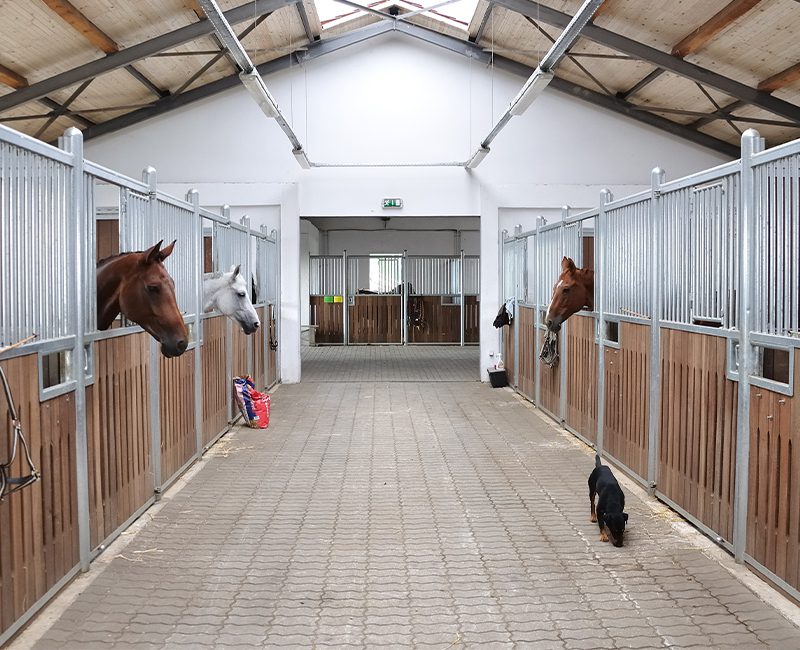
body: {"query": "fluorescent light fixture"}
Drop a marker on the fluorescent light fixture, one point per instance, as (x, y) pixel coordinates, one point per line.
(533, 87)
(258, 89)
(477, 157)
(301, 157)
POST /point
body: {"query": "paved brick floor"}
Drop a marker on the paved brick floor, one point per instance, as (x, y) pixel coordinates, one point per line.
(391, 514)
(391, 363)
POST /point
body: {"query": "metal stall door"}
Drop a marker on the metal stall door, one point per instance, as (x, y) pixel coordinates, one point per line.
(434, 299)
(326, 299)
(374, 288)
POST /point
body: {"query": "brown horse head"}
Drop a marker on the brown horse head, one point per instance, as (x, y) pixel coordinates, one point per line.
(138, 286)
(573, 291)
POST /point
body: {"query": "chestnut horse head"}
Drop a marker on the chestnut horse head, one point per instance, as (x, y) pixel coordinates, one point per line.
(138, 286)
(573, 291)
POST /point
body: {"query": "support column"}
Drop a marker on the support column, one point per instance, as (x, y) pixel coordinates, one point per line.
(72, 143)
(752, 143)
(600, 255)
(654, 416)
(193, 197)
(149, 179)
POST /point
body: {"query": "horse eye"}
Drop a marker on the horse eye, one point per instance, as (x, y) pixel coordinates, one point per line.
(565, 289)
(242, 294)
(153, 288)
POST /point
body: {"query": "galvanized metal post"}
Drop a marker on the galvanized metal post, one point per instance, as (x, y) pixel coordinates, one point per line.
(752, 143)
(518, 261)
(537, 382)
(265, 325)
(245, 221)
(72, 143)
(345, 301)
(461, 294)
(193, 197)
(226, 213)
(149, 179)
(657, 177)
(277, 307)
(562, 340)
(600, 261)
(404, 298)
(503, 264)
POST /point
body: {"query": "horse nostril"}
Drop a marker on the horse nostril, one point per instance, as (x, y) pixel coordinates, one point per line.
(182, 344)
(256, 325)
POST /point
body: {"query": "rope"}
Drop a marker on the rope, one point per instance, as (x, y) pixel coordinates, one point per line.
(18, 438)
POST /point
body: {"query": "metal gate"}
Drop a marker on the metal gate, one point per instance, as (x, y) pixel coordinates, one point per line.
(397, 299)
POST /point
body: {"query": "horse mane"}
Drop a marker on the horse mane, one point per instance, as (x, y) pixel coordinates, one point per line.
(110, 258)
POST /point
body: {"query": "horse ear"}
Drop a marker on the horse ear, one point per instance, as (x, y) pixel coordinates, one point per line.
(235, 270)
(166, 252)
(152, 254)
(567, 264)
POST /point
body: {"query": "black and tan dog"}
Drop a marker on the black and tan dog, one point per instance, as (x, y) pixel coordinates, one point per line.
(609, 514)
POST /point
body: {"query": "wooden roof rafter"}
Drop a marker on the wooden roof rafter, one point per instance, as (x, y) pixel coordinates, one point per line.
(699, 38)
(134, 53)
(97, 37)
(658, 58)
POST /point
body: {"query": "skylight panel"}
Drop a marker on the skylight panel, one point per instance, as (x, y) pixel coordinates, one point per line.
(457, 13)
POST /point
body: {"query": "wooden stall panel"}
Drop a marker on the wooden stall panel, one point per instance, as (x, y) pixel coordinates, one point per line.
(259, 367)
(627, 398)
(118, 430)
(441, 322)
(375, 319)
(241, 365)
(527, 350)
(38, 525)
(773, 514)
(214, 389)
(550, 378)
(329, 319)
(581, 368)
(508, 350)
(472, 319)
(697, 444)
(272, 372)
(176, 392)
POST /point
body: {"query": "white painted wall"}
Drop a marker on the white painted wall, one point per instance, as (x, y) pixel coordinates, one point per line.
(417, 242)
(387, 101)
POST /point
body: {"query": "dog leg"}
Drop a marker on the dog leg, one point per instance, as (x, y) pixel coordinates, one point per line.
(603, 535)
(593, 516)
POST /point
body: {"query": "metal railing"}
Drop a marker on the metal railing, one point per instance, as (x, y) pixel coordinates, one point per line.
(717, 254)
(447, 277)
(51, 201)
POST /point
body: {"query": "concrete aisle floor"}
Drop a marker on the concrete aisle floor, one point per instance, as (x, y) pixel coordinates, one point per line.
(397, 514)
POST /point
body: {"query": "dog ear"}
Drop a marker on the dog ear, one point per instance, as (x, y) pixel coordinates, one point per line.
(625, 514)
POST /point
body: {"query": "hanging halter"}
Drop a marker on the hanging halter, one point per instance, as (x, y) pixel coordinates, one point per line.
(549, 351)
(10, 484)
(273, 342)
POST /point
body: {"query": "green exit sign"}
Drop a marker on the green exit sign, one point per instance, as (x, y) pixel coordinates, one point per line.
(392, 203)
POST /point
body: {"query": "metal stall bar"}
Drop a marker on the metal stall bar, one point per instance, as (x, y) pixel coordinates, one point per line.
(752, 144)
(345, 300)
(193, 197)
(562, 367)
(462, 298)
(600, 262)
(72, 142)
(404, 294)
(657, 178)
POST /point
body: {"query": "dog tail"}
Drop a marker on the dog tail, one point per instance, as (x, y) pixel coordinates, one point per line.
(597, 462)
